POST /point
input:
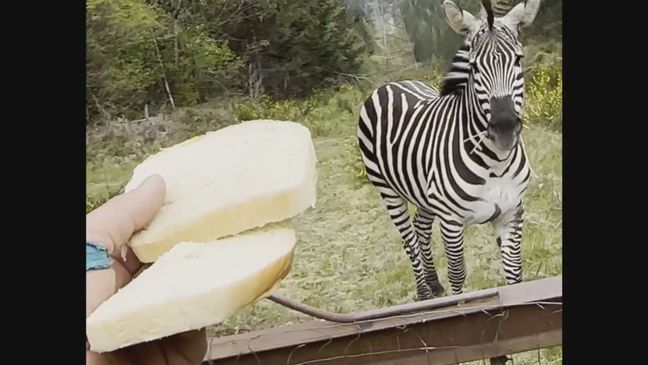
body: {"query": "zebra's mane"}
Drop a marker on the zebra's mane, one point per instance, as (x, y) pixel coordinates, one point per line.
(457, 75)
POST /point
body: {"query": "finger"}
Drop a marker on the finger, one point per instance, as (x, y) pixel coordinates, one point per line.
(93, 358)
(102, 284)
(113, 223)
(132, 264)
(186, 348)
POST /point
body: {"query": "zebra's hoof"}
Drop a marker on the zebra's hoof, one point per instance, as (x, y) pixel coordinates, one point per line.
(500, 360)
(437, 290)
(424, 294)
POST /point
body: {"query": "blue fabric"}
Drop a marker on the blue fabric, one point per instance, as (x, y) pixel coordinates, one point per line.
(97, 257)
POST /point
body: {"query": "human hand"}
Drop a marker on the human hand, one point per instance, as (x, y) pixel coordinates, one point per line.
(112, 225)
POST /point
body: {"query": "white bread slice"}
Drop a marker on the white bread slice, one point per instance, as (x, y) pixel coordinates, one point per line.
(228, 181)
(192, 286)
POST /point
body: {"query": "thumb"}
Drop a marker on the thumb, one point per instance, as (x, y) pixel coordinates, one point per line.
(113, 223)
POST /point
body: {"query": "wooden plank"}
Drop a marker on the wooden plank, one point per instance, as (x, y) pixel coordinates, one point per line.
(522, 317)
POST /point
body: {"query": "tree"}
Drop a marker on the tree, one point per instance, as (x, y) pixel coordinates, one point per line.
(137, 55)
(426, 26)
(293, 47)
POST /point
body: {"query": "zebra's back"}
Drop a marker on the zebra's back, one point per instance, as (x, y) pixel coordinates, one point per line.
(393, 126)
(411, 145)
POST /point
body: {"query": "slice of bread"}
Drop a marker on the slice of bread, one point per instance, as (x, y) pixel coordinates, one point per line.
(228, 181)
(193, 285)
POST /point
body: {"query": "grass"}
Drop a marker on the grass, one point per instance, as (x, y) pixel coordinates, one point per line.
(349, 257)
(365, 265)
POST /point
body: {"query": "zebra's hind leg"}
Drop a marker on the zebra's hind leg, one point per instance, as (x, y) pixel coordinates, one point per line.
(423, 221)
(397, 209)
(453, 237)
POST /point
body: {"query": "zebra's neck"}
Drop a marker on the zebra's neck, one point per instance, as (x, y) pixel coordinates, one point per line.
(477, 117)
(456, 78)
(458, 83)
(474, 126)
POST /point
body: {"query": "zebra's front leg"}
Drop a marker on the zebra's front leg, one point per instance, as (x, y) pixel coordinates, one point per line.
(397, 209)
(453, 237)
(423, 221)
(508, 233)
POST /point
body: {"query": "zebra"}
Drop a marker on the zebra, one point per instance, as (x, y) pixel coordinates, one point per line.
(456, 154)
(501, 7)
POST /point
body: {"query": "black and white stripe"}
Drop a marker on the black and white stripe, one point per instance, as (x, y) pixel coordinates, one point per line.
(432, 149)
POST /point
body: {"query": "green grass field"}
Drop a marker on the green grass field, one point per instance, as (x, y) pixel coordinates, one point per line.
(349, 256)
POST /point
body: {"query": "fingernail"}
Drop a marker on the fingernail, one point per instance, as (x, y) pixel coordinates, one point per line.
(149, 178)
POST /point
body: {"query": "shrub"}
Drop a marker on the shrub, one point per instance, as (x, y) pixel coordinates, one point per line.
(544, 96)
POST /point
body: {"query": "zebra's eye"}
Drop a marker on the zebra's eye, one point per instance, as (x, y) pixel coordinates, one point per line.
(518, 60)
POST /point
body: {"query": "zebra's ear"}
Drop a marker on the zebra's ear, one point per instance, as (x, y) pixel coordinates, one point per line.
(522, 15)
(459, 20)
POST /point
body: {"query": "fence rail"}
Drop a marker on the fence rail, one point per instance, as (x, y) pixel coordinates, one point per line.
(517, 318)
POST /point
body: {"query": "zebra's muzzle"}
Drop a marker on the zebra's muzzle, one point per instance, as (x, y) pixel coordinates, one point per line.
(504, 139)
(504, 126)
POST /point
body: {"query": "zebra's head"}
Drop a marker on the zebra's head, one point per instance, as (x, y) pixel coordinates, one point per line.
(494, 62)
